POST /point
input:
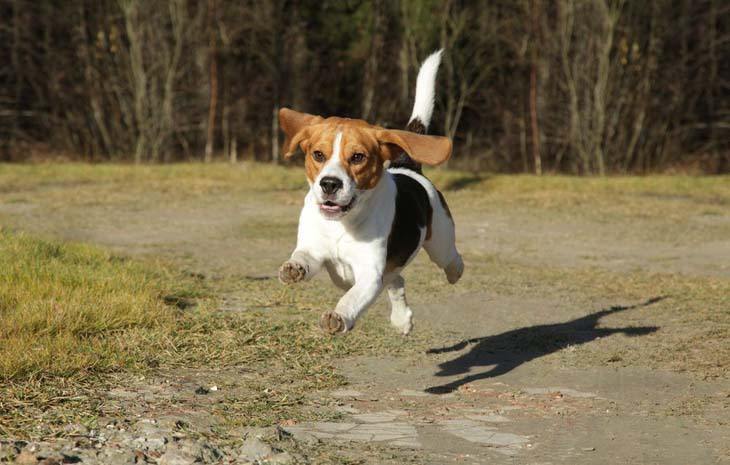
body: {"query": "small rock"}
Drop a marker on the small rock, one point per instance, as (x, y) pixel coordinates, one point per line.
(176, 457)
(210, 454)
(71, 458)
(9, 450)
(255, 449)
(202, 390)
(77, 429)
(187, 447)
(412, 393)
(375, 417)
(151, 437)
(588, 449)
(488, 418)
(301, 435)
(213, 388)
(345, 409)
(50, 461)
(26, 457)
(346, 393)
(283, 458)
(114, 457)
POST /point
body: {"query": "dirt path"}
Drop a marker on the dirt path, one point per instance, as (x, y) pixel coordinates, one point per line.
(550, 352)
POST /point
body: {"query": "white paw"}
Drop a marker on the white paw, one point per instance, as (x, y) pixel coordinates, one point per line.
(292, 272)
(334, 323)
(454, 270)
(402, 320)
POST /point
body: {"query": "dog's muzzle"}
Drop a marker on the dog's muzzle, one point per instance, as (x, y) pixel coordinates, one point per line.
(332, 210)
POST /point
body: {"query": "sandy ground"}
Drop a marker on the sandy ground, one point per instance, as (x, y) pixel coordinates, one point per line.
(521, 372)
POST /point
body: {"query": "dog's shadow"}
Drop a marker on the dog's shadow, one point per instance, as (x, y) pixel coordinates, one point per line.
(507, 351)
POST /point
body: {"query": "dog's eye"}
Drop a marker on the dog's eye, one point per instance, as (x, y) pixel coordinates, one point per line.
(318, 156)
(357, 157)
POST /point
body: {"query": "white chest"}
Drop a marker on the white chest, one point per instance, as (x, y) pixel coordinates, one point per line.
(341, 273)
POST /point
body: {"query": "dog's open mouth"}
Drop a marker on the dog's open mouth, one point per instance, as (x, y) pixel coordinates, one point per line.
(330, 208)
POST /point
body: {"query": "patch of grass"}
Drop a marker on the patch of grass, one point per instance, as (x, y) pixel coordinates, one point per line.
(185, 180)
(76, 320)
(660, 185)
(111, 183)
(606, 198)
(68, 309)
(70, 314)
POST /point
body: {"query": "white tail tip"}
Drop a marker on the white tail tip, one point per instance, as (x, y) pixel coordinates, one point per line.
(426, 88)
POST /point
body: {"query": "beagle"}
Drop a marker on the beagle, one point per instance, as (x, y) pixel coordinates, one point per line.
(369, 208)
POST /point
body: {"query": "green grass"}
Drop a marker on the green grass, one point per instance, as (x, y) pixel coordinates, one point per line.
(70, 315)
(114, 183)
(76, 320)
(67, 309)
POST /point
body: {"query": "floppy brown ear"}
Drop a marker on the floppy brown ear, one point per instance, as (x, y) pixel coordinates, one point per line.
(293, 124)
(429, 150)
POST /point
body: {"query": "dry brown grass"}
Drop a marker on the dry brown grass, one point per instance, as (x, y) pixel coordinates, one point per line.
(67, 309)
(73, 317)
(72, 314)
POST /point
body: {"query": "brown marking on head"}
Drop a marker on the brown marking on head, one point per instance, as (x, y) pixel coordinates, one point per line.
(363, 147)
(361, 156)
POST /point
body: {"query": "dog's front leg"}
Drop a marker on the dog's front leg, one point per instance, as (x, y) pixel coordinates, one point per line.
(361, 295)
(302, 265)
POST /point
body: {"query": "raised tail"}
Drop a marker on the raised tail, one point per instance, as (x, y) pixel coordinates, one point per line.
(425, 93)
(422, 107)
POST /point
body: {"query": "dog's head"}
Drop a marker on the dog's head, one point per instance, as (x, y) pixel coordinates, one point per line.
(344, 157)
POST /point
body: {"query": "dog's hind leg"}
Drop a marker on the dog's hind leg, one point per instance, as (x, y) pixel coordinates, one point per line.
(441, 246)
(401, 316)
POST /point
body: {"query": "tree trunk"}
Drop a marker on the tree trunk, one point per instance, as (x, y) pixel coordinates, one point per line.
(138, 74)
(370, 81)
(535, 128)
(233, 154)
(275, 134)
(213, 79)
(16, 67)
(278, 71)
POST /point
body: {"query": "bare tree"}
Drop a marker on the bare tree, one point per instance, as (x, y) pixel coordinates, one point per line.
(213, 77)
(582, 86)
(535, 13)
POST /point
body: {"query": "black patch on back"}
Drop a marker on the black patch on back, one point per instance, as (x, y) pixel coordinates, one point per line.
(404, 160)
(412, 213)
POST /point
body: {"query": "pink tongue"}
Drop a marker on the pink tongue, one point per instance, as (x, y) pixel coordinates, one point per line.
(330, 208)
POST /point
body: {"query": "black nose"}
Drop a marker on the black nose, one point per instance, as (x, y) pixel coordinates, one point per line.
(330, 184)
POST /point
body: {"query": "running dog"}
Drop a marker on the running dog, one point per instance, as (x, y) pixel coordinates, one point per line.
(370, 209)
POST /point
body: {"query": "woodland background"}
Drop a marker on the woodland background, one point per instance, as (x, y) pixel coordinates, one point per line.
(575, 86)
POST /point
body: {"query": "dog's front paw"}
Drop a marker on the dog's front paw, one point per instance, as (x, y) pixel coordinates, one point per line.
(332, 323)
(292, 272)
